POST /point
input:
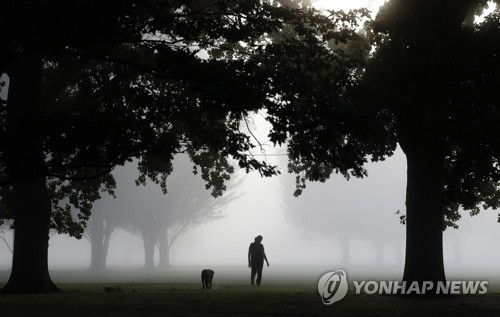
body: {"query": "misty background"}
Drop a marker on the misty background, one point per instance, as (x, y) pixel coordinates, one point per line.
(354, 225)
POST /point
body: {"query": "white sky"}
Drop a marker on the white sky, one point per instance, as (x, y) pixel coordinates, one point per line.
(372, 5)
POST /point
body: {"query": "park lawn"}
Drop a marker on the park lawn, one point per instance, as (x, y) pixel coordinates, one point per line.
(188, 299)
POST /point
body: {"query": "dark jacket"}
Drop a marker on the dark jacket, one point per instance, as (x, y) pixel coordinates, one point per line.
(256, 254)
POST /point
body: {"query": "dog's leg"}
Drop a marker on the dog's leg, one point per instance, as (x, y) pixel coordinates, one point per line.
(210, 278)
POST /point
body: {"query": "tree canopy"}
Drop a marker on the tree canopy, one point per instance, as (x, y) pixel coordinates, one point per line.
(149, 79)
(146, 80)
(433, 85)
(428, 86)
(157, 78)
(164, 58)
(445, 95)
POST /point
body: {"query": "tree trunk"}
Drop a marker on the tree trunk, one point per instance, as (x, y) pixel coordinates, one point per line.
(30, 273)
(149, 250)
(405, 70)
(424, 218)
(164, 250)
(25, 163)
(100, 235)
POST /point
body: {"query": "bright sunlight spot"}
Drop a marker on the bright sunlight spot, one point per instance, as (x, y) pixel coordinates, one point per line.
(372, 5)
(491, 7)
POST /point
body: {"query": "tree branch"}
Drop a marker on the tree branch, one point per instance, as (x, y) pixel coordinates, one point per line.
(80, 178)
(2, 237)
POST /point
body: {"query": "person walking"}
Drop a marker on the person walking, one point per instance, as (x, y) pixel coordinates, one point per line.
(256, 257)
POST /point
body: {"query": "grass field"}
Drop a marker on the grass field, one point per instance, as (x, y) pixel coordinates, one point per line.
(174, 299)
(228, 297)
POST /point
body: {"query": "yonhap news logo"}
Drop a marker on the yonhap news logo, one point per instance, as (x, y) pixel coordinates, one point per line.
(333, 287)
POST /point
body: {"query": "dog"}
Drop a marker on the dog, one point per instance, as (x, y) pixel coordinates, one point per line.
(206, 278)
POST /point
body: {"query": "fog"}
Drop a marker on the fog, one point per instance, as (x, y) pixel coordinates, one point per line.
(338, 224)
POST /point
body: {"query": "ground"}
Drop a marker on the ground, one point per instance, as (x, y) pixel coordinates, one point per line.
(142, 293)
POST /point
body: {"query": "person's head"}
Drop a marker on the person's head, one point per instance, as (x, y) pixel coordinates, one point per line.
(258, 239)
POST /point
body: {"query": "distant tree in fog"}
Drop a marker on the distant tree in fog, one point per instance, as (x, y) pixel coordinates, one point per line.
(186, 203)
(159, 212)
(345, 211)
(5, 226)
(104, 221)
(6, 214)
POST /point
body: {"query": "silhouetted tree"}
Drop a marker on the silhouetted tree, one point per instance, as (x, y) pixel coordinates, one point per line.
(443, 105)
(186, 203)
(429, 87)
(142, 80)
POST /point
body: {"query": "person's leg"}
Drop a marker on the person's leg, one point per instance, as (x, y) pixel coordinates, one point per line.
(259, 275)
(252, 274)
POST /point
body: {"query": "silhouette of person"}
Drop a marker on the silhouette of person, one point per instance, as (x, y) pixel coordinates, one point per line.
(256, 257)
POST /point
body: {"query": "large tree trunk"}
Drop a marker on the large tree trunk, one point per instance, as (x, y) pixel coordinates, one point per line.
(26, 165)
(30, 273)
(424, 218)
(404, 76)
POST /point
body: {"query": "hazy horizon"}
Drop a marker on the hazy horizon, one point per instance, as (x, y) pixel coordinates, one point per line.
(360, 211)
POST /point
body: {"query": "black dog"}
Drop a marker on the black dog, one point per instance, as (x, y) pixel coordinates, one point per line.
(206, 278)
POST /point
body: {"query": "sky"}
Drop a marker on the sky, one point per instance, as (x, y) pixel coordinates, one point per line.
(373, 5)
(357, 215)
